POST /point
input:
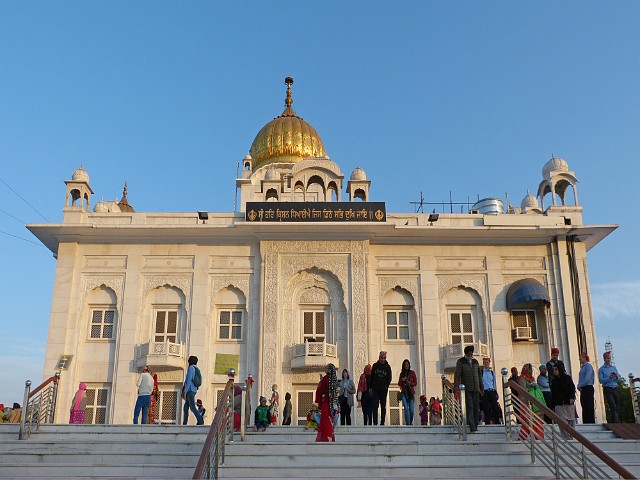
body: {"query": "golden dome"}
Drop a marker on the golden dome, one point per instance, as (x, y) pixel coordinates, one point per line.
(286, 139)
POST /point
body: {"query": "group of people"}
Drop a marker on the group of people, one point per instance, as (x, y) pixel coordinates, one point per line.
(10, 414)
(553, 387)
(266, 415)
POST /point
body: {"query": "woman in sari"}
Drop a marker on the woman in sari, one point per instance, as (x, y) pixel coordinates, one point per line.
(155, 395)
(326, 398)
(78, 405)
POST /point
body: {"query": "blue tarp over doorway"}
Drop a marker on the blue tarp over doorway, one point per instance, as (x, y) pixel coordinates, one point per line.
(525, 291)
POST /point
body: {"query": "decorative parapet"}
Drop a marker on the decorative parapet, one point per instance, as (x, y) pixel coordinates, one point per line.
(314, 355)
(161, 355)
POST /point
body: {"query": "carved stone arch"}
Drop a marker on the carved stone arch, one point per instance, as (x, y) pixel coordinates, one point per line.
(298, 284)
(474, 283)
(114, 282)
(182, 283)
(410, 284)
(241, 282)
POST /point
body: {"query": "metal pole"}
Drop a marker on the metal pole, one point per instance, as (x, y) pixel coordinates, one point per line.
(463, 405)
(445, 406)
(556, 463)
(25, 401)
(506, 396)
(584, 463)
(243, 414)
(531, 439)
(54, 400)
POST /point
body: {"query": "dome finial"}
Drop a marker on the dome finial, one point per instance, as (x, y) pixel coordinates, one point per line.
(288, 111)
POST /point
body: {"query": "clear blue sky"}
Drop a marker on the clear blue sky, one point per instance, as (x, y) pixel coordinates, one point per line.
(471, 97)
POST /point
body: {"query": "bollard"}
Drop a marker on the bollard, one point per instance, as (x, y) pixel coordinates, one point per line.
(25, 404)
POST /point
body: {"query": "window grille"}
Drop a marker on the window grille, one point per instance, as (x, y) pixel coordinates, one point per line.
(397, 324)
(166, 328)
(303, 405)
(166, 408)
(395, 408)
(523, 319)
(102, 323)
(96, 410)
(313, 324)
(230, 325)
(461, 327)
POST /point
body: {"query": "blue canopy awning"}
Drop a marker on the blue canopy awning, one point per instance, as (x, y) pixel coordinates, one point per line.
(525, 291)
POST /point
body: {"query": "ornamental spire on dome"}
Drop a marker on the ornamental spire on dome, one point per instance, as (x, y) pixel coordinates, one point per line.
(288, 111)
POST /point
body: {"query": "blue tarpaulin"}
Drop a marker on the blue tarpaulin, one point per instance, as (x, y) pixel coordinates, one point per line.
(524, 291)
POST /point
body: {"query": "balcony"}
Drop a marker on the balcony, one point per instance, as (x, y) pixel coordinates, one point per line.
(455, 351)
(314, 356)
(161, 355)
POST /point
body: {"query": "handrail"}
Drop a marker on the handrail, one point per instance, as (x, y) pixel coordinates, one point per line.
(535, 423)
(38, 406)
(454, 408)
(212, 454)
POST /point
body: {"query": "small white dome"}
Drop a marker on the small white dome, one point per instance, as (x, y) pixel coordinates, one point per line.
(272, 174)
(555, 165)
(529, 202)
(101, 207)
(358, 174)
(80, 175)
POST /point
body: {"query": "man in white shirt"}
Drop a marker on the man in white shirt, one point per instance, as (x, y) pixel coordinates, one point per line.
(145, 389)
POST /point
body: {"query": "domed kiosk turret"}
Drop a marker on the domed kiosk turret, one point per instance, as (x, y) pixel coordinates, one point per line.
(358, 185)
(556, 179)
(79, 192)
(529, 204)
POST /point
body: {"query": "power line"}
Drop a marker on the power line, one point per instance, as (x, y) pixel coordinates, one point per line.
(20, 238)
(32, 207)
(16, 218)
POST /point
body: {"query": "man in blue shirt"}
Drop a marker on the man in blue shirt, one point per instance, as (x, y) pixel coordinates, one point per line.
(189, 393)
(490, 406)
(585, 387)
(608, 376)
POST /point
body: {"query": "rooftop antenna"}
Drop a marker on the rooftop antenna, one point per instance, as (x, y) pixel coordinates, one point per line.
(420, 204)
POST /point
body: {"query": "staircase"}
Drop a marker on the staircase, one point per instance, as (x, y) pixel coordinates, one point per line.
(162, 451)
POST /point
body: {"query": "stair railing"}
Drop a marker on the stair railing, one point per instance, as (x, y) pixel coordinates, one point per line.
(38, 406)
(245, 410)
(221, 431)
(454, 412)
(634, 387)
(550, 444)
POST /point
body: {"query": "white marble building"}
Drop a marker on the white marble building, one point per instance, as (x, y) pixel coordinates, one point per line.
(283, 298)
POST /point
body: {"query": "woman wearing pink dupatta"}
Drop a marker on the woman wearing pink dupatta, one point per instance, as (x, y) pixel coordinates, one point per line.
(78, 405)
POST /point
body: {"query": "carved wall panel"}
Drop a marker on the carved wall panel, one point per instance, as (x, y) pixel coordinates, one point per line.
(181, 282)
(105, 261)
(346, 261)
(114, 282)
(410, 284)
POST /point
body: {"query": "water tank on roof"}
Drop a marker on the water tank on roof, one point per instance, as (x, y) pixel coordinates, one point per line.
(489, 206)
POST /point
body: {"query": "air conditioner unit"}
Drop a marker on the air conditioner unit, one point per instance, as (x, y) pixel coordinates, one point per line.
(521, 333)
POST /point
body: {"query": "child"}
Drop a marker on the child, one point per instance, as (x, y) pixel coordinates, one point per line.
(261, 420)
(313, 417)
(436, 411)
(274, 410)
(201, 409)
(286, 413)
(424, 410)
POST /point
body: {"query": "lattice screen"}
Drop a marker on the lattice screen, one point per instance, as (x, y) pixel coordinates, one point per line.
(305, 399)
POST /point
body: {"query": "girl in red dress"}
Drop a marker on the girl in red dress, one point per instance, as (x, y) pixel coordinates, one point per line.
(326, 398)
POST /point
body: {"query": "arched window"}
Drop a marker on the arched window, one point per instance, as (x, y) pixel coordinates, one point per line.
(398, 314)
(167, 306)
(315, 189)
(102, 313)
(526, 302)
(272, 195)
(359, 194)
(231, 312)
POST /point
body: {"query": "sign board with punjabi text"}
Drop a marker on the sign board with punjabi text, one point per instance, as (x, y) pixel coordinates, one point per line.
(345, 212)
